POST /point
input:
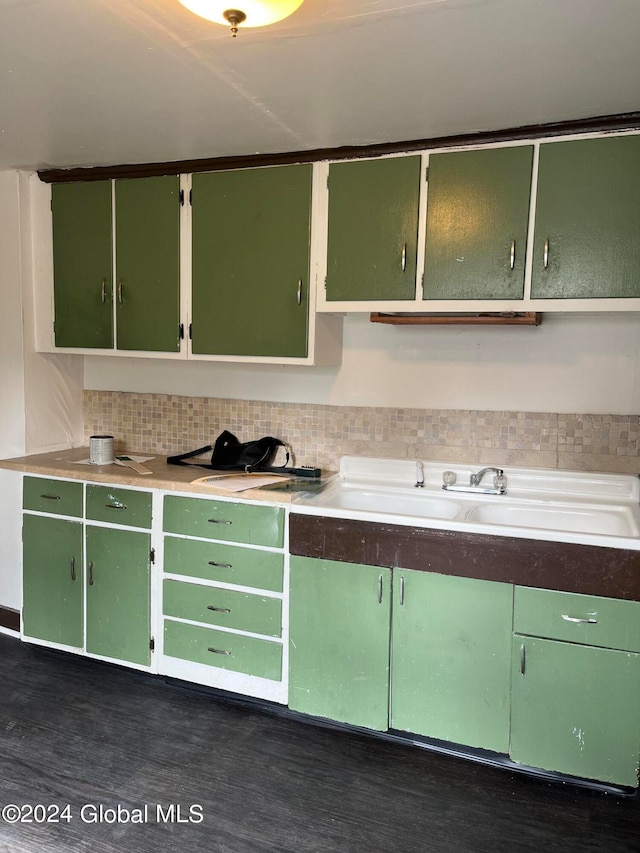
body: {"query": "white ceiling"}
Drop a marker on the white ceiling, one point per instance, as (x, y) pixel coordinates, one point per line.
(102, 82)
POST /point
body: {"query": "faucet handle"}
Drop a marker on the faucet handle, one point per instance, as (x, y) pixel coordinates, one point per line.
(449, 478)
(500, 482)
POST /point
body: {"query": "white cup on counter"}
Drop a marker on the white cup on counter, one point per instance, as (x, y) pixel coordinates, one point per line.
(101, 449)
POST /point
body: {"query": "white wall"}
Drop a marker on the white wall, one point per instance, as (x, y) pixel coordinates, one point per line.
(571, 363)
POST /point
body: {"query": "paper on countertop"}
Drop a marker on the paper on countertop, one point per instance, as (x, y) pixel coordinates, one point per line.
(87, 461)
(239, 482)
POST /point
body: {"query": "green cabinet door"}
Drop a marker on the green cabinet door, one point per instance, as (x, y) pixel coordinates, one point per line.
(450, 658)
(588, 219)
(148, 264)
(576, 709)
(82, 268)
(373, 229)
(118, 596)
(339, 641)
(477, 222)
(52, 580)
(251, 244)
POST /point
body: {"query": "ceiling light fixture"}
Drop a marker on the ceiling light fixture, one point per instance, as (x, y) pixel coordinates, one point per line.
(252, 13)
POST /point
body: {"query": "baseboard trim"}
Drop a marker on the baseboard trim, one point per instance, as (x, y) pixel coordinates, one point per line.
(10, 619)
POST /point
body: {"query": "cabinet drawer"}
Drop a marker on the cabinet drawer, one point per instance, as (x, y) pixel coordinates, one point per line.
(56, 497)
(262, 658)
(226, 520)
(119, 506)
(590, 620)
(225, 607)
(228, 563)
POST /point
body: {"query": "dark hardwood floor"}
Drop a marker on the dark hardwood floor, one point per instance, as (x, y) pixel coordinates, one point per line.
(88, 734)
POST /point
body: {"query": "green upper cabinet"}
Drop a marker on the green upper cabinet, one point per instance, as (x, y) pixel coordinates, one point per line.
(373, 229)
(451, 658)
(82, 267)
(148, 264)
(251, 255)
(588, 219)
(339, 641)
(477, 223)
(147, 281)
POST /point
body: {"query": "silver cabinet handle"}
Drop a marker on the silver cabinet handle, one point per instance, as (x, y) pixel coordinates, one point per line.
(512, 255)
(588, 621)
(218, 609)
(103, 292)
(523, 659)
(403, 258)
(545, 256)
(218, 651)
(218, 521)
(120, 292)
(115, 505)
(91, 574)
(220, 565)
(50, 497)
(380, 589)
(299, 291)
(73, 568)
(402, 589)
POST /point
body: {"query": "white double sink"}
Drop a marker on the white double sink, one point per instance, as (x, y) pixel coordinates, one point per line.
(538, 502)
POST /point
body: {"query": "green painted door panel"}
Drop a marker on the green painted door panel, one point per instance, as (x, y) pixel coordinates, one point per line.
(119, 506)
(373, 229)
(576, 710)
(226, 520)
(148, 264)
(588, 209)
(451, 658)
(477, 221)
(52, 580)
(55, 497)
(228, 608)
(118, 594)
(82, 267)
(229, 563)
(251, 245)
(339, 641)
(223, 650)
(586, 619)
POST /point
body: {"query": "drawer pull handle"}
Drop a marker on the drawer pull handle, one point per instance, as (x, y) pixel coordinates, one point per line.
(219, 521)
(90, 574)
(218, 651)
(73, 568)
(103, 290)
(512, 255)
(403, 258)
(401, 589)
(588, 621)
(50, 497)
(220, 565)
(218, 609)
(299, 293)
(523, 659)
(380, 589)
(545, 254)
(115, 505)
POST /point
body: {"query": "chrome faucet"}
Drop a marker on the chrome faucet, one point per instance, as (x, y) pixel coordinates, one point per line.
(475, 479)
(419, 475)
(499, 487)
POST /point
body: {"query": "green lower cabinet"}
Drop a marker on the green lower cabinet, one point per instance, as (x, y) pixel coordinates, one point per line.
(450, 661)
(52, 580)
(118, 594)
(576, 709)
(339, 641)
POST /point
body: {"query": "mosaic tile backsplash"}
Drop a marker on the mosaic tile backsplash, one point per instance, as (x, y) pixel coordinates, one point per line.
(320, 435)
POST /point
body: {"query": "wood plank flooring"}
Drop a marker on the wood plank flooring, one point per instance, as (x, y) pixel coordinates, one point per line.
(88, 734)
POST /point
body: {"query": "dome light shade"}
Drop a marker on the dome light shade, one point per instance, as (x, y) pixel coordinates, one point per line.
(249, 13)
